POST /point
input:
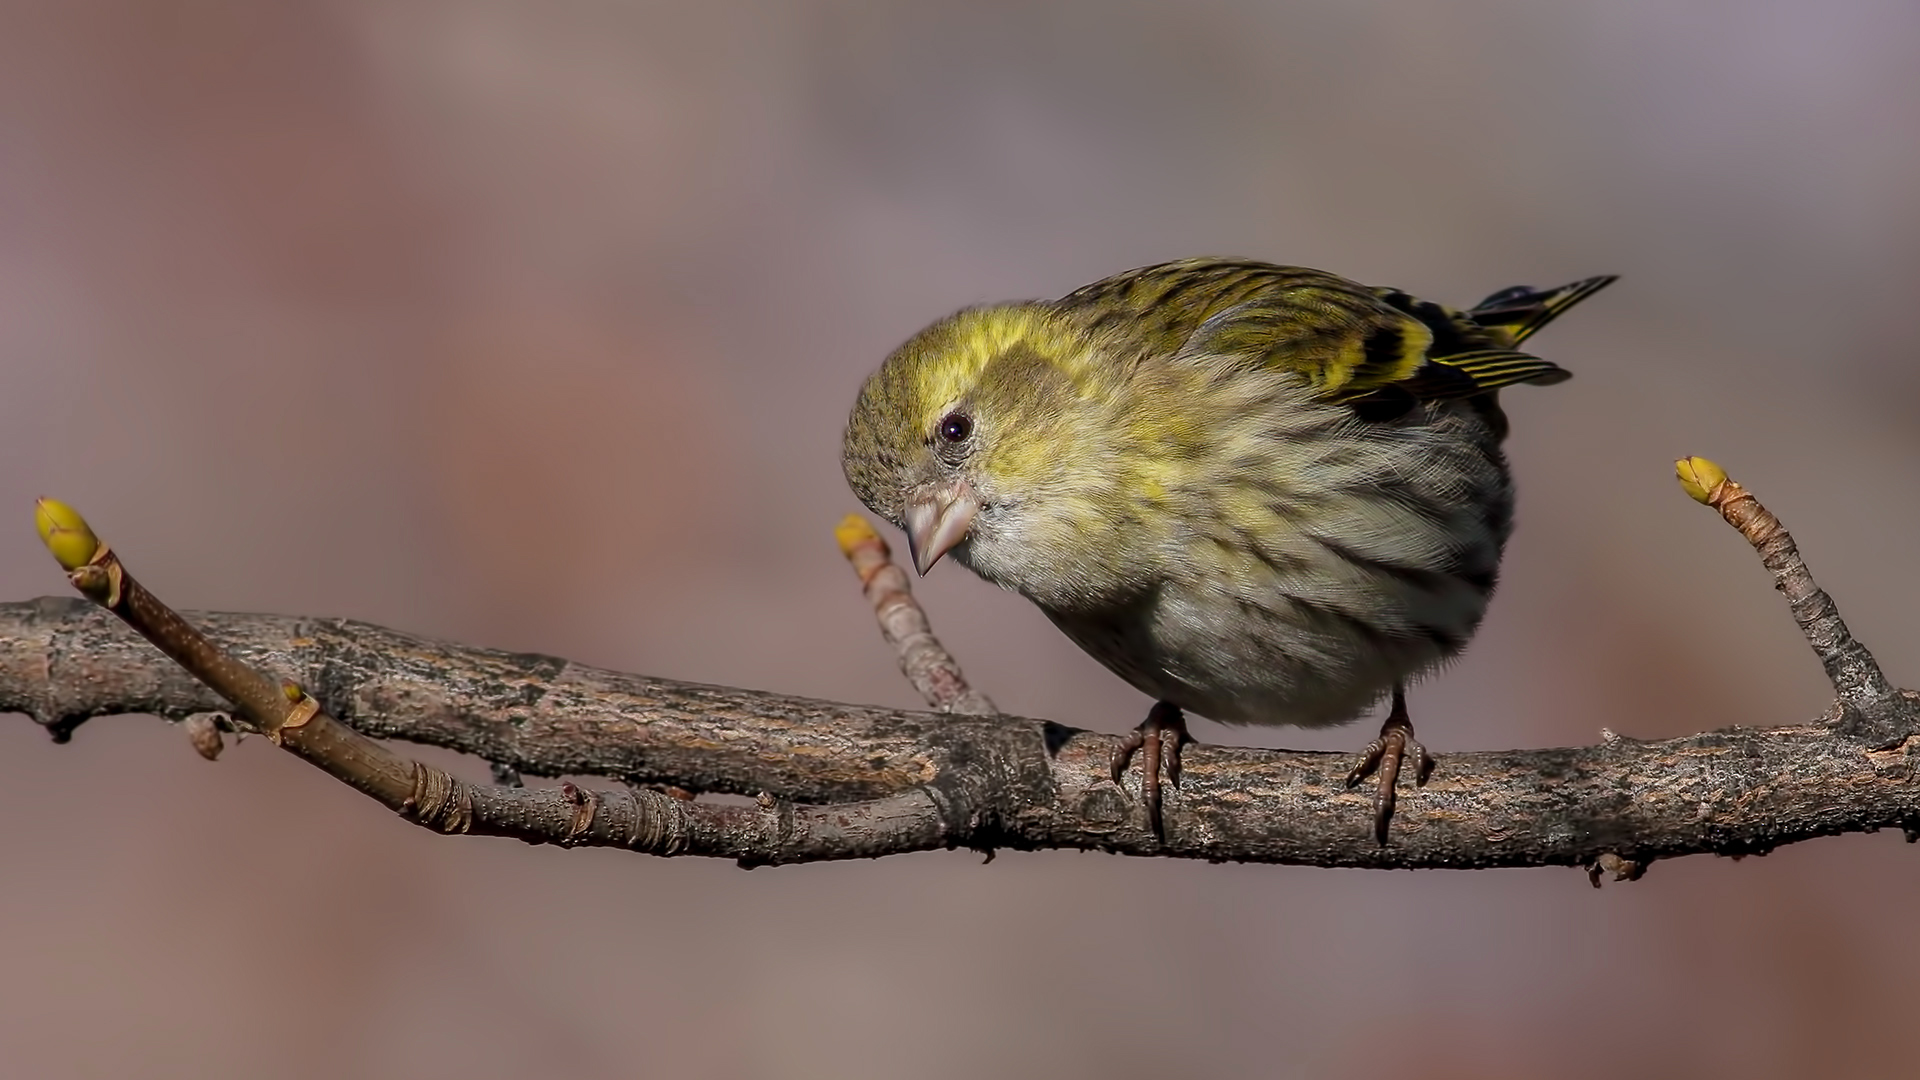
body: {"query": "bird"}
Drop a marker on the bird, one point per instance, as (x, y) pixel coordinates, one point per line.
(1262, 494)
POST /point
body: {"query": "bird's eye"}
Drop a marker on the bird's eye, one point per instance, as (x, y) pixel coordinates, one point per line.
(956, 427)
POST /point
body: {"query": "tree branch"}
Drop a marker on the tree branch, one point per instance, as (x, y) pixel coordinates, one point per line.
(844, 781)
(923, 660)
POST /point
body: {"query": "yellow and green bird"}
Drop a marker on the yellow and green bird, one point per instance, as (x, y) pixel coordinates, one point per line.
(1263, 494)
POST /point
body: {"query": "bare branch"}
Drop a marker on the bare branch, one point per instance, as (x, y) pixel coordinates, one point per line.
(641, 820)
(844, 781)
(923, 660)
(1872, 707)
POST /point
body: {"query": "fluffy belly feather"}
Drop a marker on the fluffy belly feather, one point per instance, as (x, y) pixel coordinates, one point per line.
(1285, 660)
(1304, 604)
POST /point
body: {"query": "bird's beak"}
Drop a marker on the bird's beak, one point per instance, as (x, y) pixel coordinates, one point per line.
(938, 517)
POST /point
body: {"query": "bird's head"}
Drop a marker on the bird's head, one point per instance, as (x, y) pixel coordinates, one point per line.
(985, 436)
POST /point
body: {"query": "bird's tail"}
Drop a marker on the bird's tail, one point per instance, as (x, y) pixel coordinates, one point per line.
(1521, 311)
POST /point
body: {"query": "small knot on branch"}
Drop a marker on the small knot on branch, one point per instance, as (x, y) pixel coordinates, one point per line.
(660, 823)
(203, 732)
(1622, 868)
(439, 801)
(585, 803)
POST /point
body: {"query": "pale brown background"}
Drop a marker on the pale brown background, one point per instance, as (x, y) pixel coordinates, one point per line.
(534, 326)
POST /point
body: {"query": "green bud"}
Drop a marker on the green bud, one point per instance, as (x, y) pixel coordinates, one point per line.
(65, 533)
(1699, 478)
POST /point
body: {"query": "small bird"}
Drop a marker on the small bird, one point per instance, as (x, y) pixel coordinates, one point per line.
(1262, 494)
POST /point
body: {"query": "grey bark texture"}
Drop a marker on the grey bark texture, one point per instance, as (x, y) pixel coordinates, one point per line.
(846, 781)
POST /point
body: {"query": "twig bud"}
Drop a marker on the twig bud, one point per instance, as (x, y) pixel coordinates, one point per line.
(1699, 477)
(65, 533)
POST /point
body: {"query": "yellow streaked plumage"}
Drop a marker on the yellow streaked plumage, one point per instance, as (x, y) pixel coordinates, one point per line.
(1265, 494)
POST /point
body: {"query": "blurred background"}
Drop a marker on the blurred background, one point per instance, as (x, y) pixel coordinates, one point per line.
(431, 313)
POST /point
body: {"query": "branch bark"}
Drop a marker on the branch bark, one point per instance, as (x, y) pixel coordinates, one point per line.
(836, 781)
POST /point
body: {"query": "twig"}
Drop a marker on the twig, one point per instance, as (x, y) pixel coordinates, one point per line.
(640, 820)
(903, 623)
(1873, 708)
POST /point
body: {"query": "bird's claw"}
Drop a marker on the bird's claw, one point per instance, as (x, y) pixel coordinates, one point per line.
(1384, 756)
(1161, 735)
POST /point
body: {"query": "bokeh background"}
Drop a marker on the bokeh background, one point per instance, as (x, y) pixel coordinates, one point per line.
(534, 325)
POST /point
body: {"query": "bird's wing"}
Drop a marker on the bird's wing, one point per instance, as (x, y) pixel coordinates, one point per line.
(1467, 357)
(1354, 344)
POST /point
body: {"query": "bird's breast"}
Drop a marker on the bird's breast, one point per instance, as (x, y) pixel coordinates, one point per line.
(1298, 584)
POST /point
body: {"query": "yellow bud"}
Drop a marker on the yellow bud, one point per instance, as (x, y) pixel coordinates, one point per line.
(1699, 477)
(853, 531)
(65, 533)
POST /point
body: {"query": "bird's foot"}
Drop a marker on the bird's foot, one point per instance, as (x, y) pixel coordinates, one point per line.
(1161, 734)
(1384, 755)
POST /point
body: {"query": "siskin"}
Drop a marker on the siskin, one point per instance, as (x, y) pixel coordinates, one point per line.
(1263, 494)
